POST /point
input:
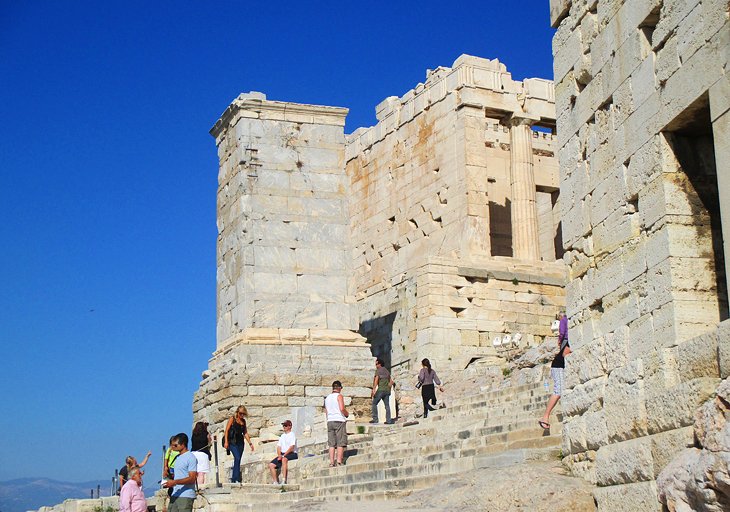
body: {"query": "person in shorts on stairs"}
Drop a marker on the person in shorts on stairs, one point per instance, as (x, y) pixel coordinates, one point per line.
(334, 406)
(557, 368)
(186, 474)
(382, 385)
(428, 379)
(286, 450)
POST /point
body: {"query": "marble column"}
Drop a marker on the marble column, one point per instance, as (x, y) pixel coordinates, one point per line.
(525, 244)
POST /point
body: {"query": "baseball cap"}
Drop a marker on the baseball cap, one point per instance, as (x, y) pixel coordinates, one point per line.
(287, 423)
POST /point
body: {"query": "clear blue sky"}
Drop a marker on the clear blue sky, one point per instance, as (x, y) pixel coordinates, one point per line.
(108, 188)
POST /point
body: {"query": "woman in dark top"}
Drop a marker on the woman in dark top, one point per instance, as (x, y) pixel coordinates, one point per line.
(428, 379)
(201, 439)
(233, 439)
(557, 369)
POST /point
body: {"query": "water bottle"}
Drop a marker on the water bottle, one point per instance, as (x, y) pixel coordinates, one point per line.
(547, 386)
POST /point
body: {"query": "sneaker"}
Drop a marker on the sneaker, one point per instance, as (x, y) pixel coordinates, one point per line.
(391, 422)
(374, 421)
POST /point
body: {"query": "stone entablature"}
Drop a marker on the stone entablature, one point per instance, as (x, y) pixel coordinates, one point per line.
(642, 96)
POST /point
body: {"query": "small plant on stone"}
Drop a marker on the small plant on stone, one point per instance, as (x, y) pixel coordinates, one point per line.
(360, 429)
(515, 281)
(506, 371)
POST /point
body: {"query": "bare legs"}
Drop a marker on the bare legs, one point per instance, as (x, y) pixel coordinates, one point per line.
(284, 470)
(550, 406)
(340, 455)
(272, 468)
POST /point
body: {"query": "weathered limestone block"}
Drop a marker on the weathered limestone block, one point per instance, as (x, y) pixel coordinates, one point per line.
(628, 498)
(574, 436)
(698, 357)
(624, 403)
(624, 462)
(584, 397)
(674, 408)
(665, 446)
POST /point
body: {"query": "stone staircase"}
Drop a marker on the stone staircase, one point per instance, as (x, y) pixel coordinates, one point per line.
(489, 429)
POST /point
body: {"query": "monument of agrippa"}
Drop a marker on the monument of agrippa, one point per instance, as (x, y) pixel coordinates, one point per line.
(426, 235)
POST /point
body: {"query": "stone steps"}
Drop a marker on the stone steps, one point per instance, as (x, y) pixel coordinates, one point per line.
(387, 483)
(488, 429)
(416, 459)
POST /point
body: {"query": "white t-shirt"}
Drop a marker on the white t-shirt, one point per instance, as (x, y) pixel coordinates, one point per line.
(286, 441)
(332, 406)
(203, 462)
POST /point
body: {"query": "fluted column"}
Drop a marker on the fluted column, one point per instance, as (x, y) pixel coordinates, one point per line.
(525, 241)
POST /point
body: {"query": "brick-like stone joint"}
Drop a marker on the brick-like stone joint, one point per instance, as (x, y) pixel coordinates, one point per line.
(525, 242)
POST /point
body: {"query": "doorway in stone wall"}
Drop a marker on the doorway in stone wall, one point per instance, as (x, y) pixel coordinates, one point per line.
(690, 139)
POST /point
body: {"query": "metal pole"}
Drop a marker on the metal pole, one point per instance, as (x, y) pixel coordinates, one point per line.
(92, 494)
(164, 456)
(98, 491)
(217, 466)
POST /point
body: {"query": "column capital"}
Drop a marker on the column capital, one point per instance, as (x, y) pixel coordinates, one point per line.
(521, 119)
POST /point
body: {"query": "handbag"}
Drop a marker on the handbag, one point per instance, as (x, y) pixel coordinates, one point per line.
(419, 384)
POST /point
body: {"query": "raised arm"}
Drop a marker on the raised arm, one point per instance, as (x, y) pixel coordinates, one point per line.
(146, 458)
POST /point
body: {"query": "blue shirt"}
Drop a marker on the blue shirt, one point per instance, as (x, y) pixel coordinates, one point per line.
(184, 464)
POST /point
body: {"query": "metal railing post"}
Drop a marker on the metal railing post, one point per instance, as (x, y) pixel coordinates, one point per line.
(217, 466)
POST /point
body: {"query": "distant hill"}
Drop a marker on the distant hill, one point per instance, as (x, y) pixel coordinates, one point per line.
(32, 493)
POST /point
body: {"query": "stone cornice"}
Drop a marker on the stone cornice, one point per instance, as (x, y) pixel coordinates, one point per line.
(260, 108)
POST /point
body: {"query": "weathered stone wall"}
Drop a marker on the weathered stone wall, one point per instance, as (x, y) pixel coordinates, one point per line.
(283, 246)
(286, 317)
(642, 97)
(433, 186)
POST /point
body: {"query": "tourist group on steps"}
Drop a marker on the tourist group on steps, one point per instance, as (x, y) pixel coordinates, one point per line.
(183, 469)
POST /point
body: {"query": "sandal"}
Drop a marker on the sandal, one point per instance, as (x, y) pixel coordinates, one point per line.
(544, 424)
(332, 464)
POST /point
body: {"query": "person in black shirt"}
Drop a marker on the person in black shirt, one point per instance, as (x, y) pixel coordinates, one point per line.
(557, 369)
(130, 462)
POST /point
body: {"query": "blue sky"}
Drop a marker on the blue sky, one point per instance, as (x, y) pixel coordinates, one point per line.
(108, 188)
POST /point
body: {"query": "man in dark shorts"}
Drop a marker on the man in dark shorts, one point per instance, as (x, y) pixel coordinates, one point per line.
(286, 450)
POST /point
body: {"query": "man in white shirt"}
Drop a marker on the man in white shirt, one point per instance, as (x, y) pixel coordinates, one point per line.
(334, 406)
(286, 450)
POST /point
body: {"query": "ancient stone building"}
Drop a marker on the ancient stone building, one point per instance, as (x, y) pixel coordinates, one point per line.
(642, 99)
(426, 235)
(454, 216)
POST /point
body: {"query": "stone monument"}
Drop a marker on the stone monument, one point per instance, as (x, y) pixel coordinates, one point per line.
(426, 235)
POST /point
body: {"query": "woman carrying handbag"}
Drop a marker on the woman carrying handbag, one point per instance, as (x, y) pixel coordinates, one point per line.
(233, 440)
